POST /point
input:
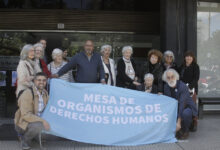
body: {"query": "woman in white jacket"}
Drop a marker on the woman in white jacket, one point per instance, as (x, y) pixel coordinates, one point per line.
(108, 65)
(26, 69)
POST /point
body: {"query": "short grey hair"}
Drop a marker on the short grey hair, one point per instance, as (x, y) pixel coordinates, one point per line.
(41, 46)
(24, 51)
(148, 75)
(125, 48)
(56, 52)
(168, 52)
(164, 77)
(104, 47)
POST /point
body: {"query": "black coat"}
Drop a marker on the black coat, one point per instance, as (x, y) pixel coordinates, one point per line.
(157, 71)
(122, 80)
(190, 75)
(173, 66)
(142, 88)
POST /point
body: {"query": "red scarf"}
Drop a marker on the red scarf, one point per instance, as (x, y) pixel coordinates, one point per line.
(44, 68)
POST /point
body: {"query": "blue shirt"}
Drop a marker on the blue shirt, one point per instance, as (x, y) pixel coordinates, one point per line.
(88, 70)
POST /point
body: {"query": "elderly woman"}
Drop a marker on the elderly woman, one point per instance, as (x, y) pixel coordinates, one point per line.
(58, 63)
(108, 65)
(189, 73)
(148, 85)
(39, 55)
(26, 69)
(186, 107)
(169, 60)
(154, 66)
(126, 70)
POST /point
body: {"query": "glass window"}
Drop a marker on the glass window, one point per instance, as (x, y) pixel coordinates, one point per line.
(12, 42)
(72, 4)
(2, 78)
(110, 5)
(19, 4)
(208, 48)
(14, 78)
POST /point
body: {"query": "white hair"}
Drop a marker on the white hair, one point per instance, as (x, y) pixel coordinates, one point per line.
(105, 47)
(168, 52)
(56, 52)
(38, 45)
(148, 75)
(41, 46)
(174, 73)
(24, 51)
(125, 48)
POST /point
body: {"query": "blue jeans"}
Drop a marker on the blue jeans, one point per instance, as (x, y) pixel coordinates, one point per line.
(186, 119)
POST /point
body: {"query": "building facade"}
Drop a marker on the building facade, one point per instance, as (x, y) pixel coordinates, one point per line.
(177, 25)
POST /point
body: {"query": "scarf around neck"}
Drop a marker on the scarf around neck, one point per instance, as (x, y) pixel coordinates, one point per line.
(127, 60)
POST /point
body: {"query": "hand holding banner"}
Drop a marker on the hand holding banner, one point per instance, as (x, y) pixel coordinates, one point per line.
(108, 115)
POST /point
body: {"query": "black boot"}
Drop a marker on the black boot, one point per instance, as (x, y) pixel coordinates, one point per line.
(184, 136)
(193, 126)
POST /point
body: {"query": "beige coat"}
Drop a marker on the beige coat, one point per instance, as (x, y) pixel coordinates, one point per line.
(28, 108)
(25, 75)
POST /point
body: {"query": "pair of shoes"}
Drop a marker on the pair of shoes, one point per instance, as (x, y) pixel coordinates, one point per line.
(193, 127)
(24, 144)
(184, 136)
(178, 134)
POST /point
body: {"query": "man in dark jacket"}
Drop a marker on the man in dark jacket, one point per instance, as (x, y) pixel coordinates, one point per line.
(186, 107)
(89, 66)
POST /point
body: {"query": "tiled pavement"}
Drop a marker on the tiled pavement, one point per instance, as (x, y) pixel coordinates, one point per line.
(206, 138)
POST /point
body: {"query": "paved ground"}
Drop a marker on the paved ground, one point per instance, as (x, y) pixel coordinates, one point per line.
(206, 138)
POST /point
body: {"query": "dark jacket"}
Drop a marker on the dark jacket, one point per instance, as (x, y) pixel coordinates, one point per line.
(173, 66)
(181, 94)
(157, 71)
(122, 80)
(142, 88)
(88, 71)
(190, 75)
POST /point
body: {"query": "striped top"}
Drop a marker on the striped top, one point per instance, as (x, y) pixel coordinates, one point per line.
(41, 105)
(54, 69)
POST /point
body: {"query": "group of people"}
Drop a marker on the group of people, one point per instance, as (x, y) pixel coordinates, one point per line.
(158, 75)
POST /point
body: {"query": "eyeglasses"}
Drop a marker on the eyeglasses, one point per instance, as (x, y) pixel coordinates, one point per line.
(37, 50)
(169, 56)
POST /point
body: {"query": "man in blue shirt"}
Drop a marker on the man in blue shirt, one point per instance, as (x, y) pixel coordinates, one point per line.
(89, 66)
(186, 107)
